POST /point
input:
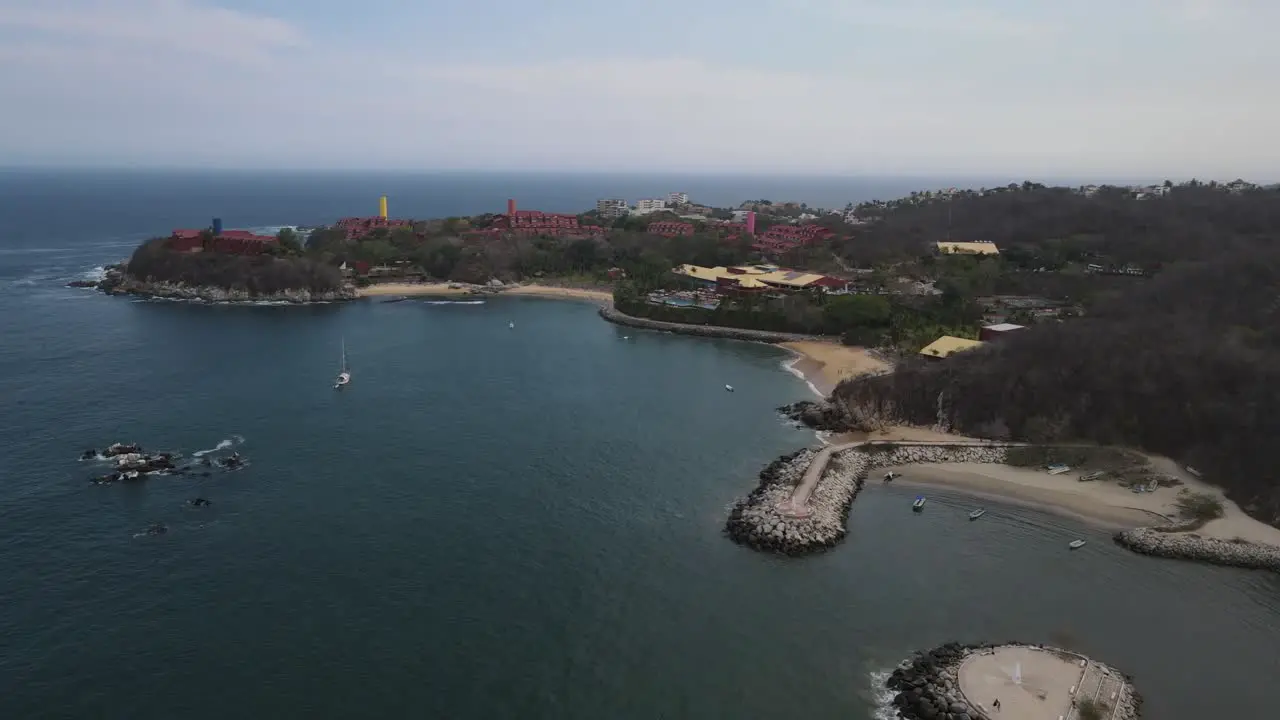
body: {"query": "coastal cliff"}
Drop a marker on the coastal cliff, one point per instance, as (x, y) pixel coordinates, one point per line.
(119, 282)
(156, 270)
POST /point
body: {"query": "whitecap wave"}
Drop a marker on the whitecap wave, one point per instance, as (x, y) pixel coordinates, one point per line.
(790, 366)
(455, 302)
(882, 697)
(230, 442)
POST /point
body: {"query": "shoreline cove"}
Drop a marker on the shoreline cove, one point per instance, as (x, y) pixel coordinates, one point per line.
(802, 502)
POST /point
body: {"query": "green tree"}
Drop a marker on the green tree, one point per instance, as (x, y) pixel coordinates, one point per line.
(845, 312)
(288, 240)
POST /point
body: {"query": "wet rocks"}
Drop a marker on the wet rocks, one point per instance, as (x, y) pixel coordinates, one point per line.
(1189, 546)
(769, 521)
(927, 685)
(816, 415)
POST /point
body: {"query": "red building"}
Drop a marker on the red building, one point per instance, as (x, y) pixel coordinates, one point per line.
(669, 228)
(358, 227)
(234, 242)
(536, 222)
(781, 238)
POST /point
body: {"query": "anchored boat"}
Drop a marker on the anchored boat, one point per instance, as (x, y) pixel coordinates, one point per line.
(1076, 544)
(977, 514)
(918, 505)
(344, 375)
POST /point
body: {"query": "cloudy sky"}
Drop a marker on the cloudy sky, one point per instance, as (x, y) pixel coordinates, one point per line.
(1025, 87)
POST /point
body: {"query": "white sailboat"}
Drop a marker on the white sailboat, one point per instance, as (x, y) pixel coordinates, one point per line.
(344, 375)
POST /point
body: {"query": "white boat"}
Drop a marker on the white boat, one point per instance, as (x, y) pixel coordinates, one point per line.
(511, 325)
(344, 375)
(977, 514)
(891, 476)
(729, 388)
(918, 505)
(1076, 544)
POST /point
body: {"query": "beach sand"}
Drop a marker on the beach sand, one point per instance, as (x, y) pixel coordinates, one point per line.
(824, 364)
(1099, 501)
(454, 289)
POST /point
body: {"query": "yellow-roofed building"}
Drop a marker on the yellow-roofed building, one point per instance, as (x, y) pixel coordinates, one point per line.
(968, 248)
(947, 345)
(759, 277)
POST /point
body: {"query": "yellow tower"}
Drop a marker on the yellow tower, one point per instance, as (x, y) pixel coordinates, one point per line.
(382, 207)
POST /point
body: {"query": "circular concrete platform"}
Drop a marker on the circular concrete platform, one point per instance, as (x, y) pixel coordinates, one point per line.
(1030, 683)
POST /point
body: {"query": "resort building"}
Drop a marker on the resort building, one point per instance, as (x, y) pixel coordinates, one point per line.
(644, 207)
(612, 208)
(536, 222)
(947, 345)
(678, 198)
(670, 228)
(760, 278)
(999, 330)
(981, 247)
(781, 238)
(235, 242)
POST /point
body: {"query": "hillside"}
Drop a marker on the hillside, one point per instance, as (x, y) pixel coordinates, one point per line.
(1186, 365)
(257, 275)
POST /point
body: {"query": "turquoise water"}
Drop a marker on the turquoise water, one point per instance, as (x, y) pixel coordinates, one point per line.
(495, 522)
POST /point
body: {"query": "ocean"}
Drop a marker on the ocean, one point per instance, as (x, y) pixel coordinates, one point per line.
(491, 522)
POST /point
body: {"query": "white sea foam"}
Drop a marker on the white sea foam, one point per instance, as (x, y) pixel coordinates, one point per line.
(455, 302)
(790, 366)
(223, 445)
(882, 697)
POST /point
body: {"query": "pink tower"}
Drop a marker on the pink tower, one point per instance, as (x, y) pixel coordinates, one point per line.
(511, 207)
(751, 222)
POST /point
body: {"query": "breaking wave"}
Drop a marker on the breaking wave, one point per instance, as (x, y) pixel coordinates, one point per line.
(230, 442)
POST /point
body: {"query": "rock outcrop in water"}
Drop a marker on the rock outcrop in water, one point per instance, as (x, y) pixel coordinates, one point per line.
(613, 315)
(816, 415)
(770, 519)
(118, 282)
(927, 686)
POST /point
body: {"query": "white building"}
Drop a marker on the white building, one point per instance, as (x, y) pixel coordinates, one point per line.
(678, 198)
(644, 207)
(612, 208)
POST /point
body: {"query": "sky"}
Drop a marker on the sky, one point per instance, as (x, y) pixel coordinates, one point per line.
(1159, 88)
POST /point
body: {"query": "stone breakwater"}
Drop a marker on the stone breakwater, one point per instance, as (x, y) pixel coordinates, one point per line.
(803, 500)
(618, 317)
(1189, 546)
(927, 685)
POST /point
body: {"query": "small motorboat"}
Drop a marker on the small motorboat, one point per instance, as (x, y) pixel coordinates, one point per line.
(891, 476)
(918, 505)
(977, 514)
(1076, 544)
(728, 388)
(511, 325)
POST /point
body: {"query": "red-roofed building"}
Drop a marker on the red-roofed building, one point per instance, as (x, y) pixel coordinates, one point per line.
(235, 242)
(669, 228)
(536, 222)
(781, 238)
(358, 227)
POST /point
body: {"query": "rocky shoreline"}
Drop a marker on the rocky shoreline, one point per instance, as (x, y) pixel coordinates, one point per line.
(768, 520)
(927, 685)
(117, 281)
(618, 317)
(1158, 542)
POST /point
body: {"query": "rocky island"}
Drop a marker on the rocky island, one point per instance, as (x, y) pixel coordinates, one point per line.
(986, 681)
(251, 271)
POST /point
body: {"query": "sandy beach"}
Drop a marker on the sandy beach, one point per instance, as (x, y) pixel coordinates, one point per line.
(1099, 501)
(455, 289)
(824, 364)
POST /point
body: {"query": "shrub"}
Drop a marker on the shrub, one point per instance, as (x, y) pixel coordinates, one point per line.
(1199, 506)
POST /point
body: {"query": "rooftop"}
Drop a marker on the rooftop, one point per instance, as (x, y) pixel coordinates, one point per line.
(969, 248)
(948, 344)
(1003, 327)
